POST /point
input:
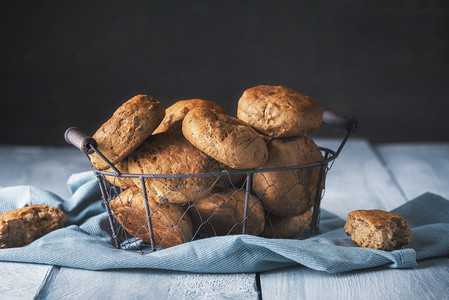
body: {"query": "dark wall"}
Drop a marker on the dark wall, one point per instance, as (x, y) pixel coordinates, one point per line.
(72, 63)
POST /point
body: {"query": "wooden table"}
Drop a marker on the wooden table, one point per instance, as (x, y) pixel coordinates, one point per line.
(364, 176)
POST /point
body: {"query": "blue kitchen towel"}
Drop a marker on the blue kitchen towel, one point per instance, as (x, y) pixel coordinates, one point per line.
(85, 242)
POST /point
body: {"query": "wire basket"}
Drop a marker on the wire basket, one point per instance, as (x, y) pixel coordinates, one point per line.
(213, 204)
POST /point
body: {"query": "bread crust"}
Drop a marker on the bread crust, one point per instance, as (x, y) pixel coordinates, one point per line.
(377, 229)
(278, 111)
(171, 153)
(24, 225)
(175, 113)
(129, 126)
(171, 225)
(123, 182)
(287, 227)
(222, 212)
(227, 139)
(289, 192)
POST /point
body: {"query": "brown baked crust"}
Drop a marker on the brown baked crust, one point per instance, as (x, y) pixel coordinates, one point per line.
(171, 225)
(24, 225)
(171, 153)
(176, 113)
(222, 212)
(123, 182)
(128, 127)
(227, 139)
(377, 229)
(278, 111)
(290, 192)
(287, 227)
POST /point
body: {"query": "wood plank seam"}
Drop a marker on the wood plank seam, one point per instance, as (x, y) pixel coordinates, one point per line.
(258, 286)
(45, 287)
(388, 170)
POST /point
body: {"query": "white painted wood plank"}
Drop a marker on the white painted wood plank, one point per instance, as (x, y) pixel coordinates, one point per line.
(358, 180)
(151, 284)
(20, 280)
(45, 167)
(418, 168)
(428, 281)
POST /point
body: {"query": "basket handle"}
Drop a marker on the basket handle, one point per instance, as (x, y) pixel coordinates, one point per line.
(330, 118)
(80, 140)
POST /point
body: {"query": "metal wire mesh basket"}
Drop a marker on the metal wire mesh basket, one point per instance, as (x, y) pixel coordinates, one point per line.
(215, 203)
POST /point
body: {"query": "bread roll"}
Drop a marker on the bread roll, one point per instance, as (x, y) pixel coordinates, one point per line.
(176, 113)
(128, 127)
(290, 192)
(122, 182)
(24, 225)
(171, 226)
(287, 227)
(228, 179)
(222, 212)
(228, 140)
(278, 111)
(171, 153)
(377, 229)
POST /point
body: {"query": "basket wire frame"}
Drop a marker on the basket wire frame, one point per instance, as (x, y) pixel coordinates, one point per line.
(113, 183)
(129, 241)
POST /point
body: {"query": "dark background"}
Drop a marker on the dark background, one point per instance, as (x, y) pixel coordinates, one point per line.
(72, 63)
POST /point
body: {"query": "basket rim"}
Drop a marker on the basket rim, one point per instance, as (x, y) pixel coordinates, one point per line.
(331, 154)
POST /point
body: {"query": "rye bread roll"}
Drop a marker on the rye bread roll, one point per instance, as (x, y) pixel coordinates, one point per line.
(176, 113)
(24, 225)
(222, 212)
(287, 227)
(122, 182)
(278, 111)
(171, 225)
(290, 192)
(130, 125)
(377, 229)
(227, 139)
(171, 153)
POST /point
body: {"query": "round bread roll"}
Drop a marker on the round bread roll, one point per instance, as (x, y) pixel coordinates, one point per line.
(122, 182)
(222, 212)
(171, 225)
(290, 192)
(176, 113)
(171, 153)
(278, 111)
(130, 125)
(287, 227)
(227, 139)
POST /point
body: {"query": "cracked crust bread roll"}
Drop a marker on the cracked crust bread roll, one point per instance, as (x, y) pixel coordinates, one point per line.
(171, 225)
(278, 111)
(287, 227)
(227, 139)
(176, 113)
(290, 192)
(22, 226)
(131, 124)
(377, 229)
(222, 212)
(171, 153)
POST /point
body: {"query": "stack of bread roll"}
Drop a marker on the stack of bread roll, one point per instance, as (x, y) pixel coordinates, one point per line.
(197, 136)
